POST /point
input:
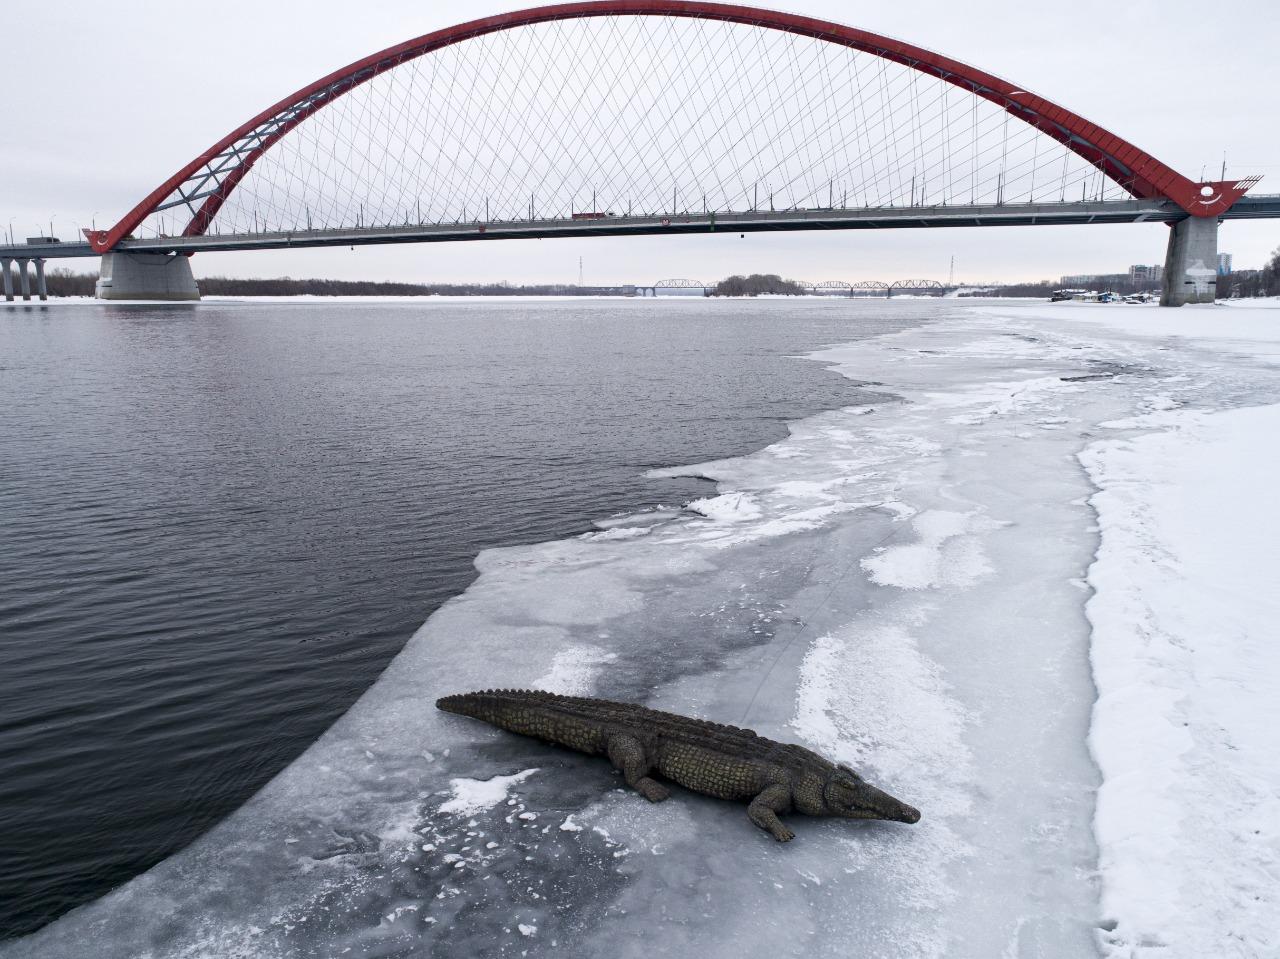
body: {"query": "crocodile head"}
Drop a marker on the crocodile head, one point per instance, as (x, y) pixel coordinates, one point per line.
(849, 795)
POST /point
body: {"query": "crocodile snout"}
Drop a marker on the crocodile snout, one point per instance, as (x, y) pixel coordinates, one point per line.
(907, 813)
(878, 804)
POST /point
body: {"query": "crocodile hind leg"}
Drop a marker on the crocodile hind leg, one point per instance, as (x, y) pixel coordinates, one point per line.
(627, 754)
(764, 811)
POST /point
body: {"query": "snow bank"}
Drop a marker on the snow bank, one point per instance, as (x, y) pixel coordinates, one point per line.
(1252, 303)
(1186, 729)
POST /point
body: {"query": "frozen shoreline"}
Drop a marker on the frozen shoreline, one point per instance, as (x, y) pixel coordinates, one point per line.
(901, 584)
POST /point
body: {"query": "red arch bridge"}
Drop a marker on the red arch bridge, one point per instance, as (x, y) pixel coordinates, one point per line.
(628, 117)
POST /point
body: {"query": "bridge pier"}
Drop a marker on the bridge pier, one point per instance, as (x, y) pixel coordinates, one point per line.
(6, 267)
(24, 279)
(146, 276)
(1191, 264)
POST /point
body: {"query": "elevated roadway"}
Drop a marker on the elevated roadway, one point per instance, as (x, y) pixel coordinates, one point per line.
(1029, 214)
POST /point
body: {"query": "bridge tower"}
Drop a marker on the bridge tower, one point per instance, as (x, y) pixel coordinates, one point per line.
(146, 276)
(1191, 263)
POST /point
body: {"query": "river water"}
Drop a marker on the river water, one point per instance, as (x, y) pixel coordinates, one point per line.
(220, 522)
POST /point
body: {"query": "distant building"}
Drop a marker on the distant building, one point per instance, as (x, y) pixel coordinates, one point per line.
(1104, 281)
(1138, 275)
(1224, 264)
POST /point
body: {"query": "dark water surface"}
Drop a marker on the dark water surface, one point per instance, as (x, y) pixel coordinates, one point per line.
(218, 523)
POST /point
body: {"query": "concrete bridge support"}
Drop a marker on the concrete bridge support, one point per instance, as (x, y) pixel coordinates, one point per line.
(146, 276)
(24, 277)
(1191, 265)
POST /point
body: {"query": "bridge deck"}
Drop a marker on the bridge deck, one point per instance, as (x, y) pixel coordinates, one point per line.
(1037, 214)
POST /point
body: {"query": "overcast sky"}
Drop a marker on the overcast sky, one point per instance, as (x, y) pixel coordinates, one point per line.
(108, 100)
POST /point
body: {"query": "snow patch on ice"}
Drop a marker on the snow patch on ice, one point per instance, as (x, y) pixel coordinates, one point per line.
(619, 532)
(870, 699)
(943, 555)
(798, 521)
(476, 795)
(574, 670)
(727, 507)
(998, 399)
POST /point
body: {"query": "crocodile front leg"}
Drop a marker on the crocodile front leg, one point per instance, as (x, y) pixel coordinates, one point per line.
(627, 754)
(764, 811)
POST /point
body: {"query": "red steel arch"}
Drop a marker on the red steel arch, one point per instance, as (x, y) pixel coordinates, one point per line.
(232, 157)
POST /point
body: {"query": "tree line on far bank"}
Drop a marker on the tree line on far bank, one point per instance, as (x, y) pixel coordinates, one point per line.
(62, 282)
(1264, 282)
(757, 284)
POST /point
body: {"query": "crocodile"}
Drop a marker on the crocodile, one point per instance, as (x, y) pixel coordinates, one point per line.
(721, 761)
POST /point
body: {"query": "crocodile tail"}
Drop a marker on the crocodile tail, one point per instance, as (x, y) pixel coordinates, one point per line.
(486, 706)
(505, 708)
(531, 713)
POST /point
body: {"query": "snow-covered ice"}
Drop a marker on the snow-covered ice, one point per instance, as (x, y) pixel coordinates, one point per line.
(1026, 585)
